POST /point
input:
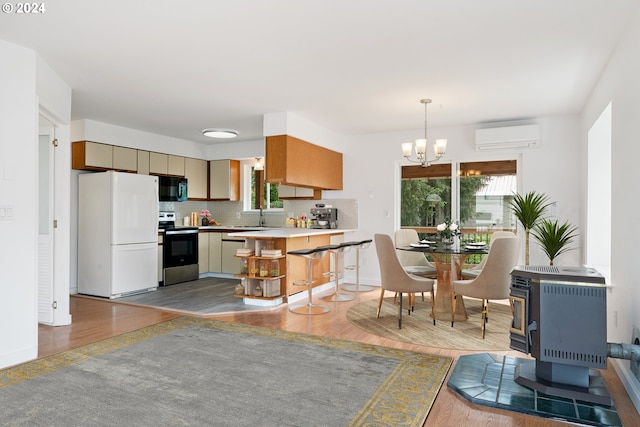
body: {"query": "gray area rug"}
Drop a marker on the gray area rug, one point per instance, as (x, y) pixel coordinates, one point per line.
(201, 372)
(204, 296)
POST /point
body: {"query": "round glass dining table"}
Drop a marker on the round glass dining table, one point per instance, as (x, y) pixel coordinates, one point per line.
(448, 259)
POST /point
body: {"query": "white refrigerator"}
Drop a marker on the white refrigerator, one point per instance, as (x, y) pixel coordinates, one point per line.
(117, 234)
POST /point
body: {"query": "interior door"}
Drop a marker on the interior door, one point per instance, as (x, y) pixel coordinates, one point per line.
(45, 225)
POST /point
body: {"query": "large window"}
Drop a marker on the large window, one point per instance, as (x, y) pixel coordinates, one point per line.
(425, 195)
(474, 194)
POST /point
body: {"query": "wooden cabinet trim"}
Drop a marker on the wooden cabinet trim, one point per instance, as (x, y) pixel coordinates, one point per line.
(79, 152)
(296, 162)
(224, 180)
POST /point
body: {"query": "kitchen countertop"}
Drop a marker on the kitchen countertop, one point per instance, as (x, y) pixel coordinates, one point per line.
(289, 232)
(221, 228)
(233, 228)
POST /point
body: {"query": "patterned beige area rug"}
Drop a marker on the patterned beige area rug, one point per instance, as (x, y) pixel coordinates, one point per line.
(418, 327)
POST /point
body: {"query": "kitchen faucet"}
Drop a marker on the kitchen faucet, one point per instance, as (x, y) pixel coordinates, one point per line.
(261, 222)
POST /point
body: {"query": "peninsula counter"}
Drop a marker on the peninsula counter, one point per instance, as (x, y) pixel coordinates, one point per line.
(294, 268)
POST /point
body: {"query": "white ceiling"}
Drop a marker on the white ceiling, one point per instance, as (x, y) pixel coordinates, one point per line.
(353, 66)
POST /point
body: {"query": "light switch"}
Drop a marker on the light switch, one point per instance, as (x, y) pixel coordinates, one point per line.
(6, 213)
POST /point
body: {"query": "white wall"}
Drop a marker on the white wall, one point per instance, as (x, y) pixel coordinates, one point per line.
(372, 167)
(54, 103)
(286, 123)
(106, 133)
(620, 85)
(18, 191)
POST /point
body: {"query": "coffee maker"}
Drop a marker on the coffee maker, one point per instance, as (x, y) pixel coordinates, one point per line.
(324, 217)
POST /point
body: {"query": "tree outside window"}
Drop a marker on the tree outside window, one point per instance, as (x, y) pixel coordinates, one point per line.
(484, 191)
(263, 194)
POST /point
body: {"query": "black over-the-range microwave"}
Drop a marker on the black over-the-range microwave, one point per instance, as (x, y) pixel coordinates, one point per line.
(172, 189)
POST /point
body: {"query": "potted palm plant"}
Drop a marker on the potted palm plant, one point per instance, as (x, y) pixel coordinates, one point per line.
(528, 209)
(554, 238)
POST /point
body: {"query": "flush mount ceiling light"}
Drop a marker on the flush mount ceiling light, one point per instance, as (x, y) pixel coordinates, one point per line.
(220, 133)
(439, 147)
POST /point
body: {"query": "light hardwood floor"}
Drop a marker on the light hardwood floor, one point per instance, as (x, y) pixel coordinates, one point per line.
(94, 320)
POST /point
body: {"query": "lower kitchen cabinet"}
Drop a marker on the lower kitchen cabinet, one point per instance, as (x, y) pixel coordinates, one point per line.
(203, 252)
(215, 252)
(230, 263)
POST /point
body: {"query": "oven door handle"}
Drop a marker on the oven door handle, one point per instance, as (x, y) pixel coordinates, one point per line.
(182, 231)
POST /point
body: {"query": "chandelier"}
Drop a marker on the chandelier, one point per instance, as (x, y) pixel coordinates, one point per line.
(439, 147)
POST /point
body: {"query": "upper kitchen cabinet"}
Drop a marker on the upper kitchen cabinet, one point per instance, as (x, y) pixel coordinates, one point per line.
(175, 165)
(195, 170)
(289, 192)
(125, 159)
(299, 163)
(166, 164)
(224, 180)
(158, 163)
(143, 162)
(89, 155)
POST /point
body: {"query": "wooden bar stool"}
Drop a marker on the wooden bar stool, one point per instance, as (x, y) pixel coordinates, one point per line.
(357, 287)
(311, 255)
(337, 250)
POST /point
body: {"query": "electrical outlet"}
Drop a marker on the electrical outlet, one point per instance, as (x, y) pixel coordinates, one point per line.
(238, 215)
(634, 365)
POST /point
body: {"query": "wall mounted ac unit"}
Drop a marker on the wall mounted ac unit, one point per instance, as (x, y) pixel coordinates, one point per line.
(510, 137)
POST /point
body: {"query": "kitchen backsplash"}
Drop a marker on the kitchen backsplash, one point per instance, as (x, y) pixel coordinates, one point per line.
(347, 210)
(226, 213)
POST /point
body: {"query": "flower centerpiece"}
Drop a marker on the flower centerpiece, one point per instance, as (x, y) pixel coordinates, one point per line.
(447, 231)
(206, 220)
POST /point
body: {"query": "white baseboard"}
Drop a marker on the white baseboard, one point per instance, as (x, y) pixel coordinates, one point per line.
(18, 357)
(263, 302)
(304, 294)
(629, 381)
